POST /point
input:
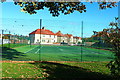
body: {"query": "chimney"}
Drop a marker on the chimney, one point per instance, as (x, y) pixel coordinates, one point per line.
(59, 31)
(43, 28)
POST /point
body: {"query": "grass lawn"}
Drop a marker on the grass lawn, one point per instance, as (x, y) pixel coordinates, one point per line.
(20, 70)
(59, 71)
(55, 53)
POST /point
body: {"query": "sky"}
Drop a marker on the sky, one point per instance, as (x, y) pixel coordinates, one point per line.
(21, 23)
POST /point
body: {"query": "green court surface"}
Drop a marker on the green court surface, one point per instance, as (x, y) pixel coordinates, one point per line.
(56, 53)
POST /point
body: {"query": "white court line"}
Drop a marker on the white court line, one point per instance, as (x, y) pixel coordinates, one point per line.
(37, 51)
(60, 49)
(30, 49)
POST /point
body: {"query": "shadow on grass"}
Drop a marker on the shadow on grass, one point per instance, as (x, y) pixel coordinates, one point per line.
(10, 54)
(59, 71)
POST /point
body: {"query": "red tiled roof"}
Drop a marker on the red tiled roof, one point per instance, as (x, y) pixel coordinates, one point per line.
(59, 34)
(43, 31)
(68, 35)
(77, 37)
(6, 34)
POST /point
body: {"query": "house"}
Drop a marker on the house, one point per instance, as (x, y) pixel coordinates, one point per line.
(5, 38)
(43, 36)
(69, 38)
(60, 37)
(77, 40)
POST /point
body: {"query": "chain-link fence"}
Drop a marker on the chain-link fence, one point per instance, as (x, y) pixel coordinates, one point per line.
(53, 40)
(99, 49)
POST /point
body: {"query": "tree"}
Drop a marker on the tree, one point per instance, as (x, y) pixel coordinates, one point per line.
(112, 36)
(55, 8)
(5, 37)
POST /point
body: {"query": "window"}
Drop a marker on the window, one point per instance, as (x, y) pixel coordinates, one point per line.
(48, 41)
(43, 35)
(37, 40)
(50, 35)
(54, 36)
(43, 40)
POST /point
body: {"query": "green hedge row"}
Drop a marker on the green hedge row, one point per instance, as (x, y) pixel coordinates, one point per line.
(13, 45)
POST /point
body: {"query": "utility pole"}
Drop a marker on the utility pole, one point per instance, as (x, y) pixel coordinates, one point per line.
(30, 40)
(14, 38)
(40, 40)
(82, 40)
(22, 37)
(9, 39)
(2, 37)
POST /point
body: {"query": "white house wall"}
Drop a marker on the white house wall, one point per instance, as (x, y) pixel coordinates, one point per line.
(71, 39)
(50, 39)
(5, 41)
(77, 40)
(45, 39)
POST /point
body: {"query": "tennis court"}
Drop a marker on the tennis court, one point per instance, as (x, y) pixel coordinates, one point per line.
(63, 53)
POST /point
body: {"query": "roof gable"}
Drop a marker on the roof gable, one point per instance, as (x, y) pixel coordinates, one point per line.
(68, 35)
(59, 34)
(42, 31)
(77, 37)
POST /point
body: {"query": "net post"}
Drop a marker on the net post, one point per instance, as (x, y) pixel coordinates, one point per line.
(82, 40)
(40, 41)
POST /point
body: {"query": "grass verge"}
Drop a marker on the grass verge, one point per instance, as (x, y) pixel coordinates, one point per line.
(59, 71)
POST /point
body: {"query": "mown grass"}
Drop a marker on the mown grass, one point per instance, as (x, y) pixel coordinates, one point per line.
(20, 70)
(59, 71)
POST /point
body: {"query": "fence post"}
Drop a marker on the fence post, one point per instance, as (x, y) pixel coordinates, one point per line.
(40, 40)
(9, 39)
(2, 37)
(82, 40)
